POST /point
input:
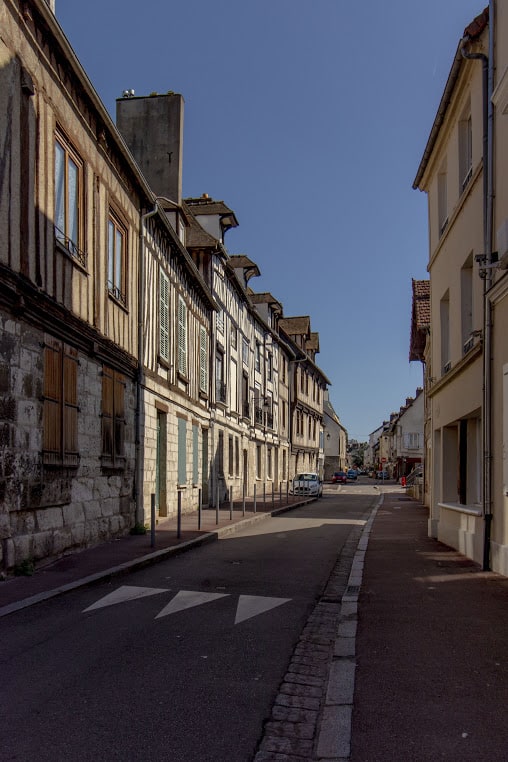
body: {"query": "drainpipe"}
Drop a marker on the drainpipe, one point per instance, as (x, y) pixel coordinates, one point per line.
(138, 479)
(486, 259)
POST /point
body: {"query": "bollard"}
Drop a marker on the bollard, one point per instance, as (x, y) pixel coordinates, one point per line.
(179, 515)
(231, 503)
(200, 508)
(152, 520)
(254, 509)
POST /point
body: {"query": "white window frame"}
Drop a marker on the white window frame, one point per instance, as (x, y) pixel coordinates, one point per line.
(203, 360)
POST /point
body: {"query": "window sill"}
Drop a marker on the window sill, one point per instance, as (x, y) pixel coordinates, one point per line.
(119, 302)
(163, 363)
(108, 464)
(183, 378)
(469, 510)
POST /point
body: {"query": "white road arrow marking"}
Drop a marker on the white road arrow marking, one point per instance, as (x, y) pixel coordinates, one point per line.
(252, 605)
(186, 599)
(125, 593)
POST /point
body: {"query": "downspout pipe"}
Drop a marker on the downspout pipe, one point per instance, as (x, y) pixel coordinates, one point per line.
(138, 479)
(487, 89)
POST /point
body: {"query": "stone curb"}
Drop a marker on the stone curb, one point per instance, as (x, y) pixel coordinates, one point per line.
(334, 735)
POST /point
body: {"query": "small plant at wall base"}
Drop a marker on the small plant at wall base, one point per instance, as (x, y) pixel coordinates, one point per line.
(138, 529)
(25, 569)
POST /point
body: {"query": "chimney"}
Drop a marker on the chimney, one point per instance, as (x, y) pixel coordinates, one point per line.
(152, 127)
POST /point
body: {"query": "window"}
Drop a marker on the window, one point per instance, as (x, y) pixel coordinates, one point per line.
(442, 202)
(220, 386)
(69, 199)
(182, 451)
(113, 417)
(412, 440)
(60, 411)
(445, 332)
(203, 360)
(237, 456)
(258, 462)
(284, 414)
(465, 152)
(234, 337)
(258, 356)
(466, 303)
(245, 351)
(164, 316)
(195, 453)
(269, 463)
(245, 396)
(220, 320)
(220, 454)
(269, 370)
(116, 259)
(284, 467)
(302, 380)
(230, 455)
(182, 336)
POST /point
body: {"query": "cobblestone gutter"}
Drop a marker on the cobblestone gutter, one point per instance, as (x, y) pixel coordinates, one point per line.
(311, 716)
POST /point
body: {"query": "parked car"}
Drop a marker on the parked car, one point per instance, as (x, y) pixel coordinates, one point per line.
(306, 484)
(351, 474)
(382, 475)
(339, 477)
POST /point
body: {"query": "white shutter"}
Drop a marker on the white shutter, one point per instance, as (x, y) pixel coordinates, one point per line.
(203, 359)
(164, 316)
(182, 336)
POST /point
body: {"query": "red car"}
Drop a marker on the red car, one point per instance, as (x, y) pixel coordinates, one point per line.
(339, 477)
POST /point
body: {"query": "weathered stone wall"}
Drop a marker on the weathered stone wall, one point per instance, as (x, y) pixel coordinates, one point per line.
(45, 511)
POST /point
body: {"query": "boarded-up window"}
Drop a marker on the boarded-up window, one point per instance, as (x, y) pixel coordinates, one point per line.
(60, 415)
(182, 336)
(164, 316)
(113, 417)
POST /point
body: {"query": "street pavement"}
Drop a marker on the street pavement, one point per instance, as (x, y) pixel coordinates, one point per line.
(403, 658)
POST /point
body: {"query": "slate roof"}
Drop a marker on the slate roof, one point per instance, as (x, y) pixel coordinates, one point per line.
(206, 205)
(420, 318)
(296, 326)
(241, 261)
(313, 342)
(264, 298)
(196, 236)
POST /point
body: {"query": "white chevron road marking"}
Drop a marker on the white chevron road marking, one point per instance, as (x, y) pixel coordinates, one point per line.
(248, 605)
(125, 593)
(186, 599)
(252, 605)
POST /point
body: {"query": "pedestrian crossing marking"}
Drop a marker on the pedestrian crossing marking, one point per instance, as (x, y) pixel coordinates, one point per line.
(125, 593)
(186, 599)
(252, 605)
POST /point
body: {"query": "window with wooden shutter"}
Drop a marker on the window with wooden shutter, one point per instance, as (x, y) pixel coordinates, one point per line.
(182, 452)
(60, 413)
(113, 418)
(182, 336)
(164, 316)
(203, 360)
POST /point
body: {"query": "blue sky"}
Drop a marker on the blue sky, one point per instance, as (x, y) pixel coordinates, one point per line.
(309, 119)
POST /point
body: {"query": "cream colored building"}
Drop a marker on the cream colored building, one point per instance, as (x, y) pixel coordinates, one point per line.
(463, 172)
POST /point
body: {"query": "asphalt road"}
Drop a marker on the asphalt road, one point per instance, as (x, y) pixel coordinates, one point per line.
(178, 661)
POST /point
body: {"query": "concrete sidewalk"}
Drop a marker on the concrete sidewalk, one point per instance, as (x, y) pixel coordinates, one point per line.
(431, 678)
(115, 557)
